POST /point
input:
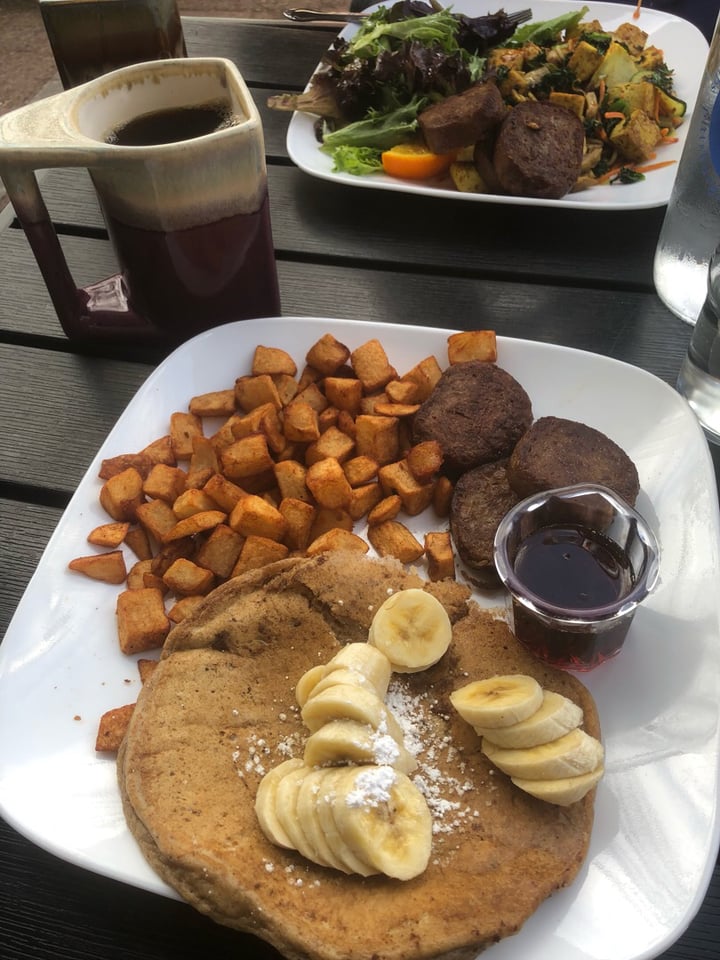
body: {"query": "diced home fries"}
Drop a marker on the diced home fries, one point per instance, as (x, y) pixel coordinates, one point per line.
(298, 460)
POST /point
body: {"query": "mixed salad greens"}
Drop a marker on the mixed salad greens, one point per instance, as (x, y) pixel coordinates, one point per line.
(369, 89)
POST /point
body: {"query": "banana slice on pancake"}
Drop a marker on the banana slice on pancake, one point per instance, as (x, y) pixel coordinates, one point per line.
(568, 756)
(348, 701)
(347, 741)
(556, 716)
(562, 791)
(412, 629)
(266, 803)
(498, 701)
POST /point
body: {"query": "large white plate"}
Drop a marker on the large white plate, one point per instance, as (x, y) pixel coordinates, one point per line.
(656, 832)
(685, 50)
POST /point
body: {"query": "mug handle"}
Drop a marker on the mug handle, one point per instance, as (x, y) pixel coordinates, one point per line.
(100, 312)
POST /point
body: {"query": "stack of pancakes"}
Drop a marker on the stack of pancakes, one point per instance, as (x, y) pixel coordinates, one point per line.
(219, 712)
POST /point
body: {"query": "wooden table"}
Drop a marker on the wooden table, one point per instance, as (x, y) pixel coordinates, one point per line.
(572, 278)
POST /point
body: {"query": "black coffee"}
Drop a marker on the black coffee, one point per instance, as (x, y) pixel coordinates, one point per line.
(170, 126)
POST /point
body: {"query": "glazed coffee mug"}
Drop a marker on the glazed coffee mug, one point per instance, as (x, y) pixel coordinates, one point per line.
(92, 37)
(176, 153)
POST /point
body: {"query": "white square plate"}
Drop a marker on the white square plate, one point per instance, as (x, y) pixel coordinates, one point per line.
(685, 51)
(656, 833)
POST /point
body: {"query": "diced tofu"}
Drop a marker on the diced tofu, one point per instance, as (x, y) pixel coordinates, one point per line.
(574, 102)
(584, 61)
(634, 96)
(632, 36)
(637, 137)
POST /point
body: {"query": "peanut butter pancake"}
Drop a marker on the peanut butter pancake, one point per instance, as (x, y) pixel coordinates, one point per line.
(220, 711)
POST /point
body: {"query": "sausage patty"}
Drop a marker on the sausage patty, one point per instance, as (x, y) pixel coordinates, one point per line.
(539, 150)
(477, 413)
(557, 453)
(481, 499)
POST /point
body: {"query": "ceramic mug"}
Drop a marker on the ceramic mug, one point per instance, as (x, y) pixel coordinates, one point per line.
(92, 37)
(176, 153)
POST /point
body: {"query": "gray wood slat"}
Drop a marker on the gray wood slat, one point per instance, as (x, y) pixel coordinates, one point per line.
(317, 219)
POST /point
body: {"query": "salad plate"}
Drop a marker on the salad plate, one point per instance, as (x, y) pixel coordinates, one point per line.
(685, 50)
(656, 832)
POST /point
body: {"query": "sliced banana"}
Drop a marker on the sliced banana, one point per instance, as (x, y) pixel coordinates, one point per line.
(345, 701)
(266, 803)
(568, 756)
(412, 629)
(498, 701)
(347, 741)
(333, 789)
(286, 811)
(367, 660)
(306, 813)
(307, 681)
(563, 791)
(342, 675)
(556, 716)
(384, 820)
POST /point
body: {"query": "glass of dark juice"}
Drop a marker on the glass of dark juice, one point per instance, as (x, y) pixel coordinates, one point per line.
(577, 562)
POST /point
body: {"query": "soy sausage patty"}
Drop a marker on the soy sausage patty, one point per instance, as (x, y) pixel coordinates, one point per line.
(477, 413)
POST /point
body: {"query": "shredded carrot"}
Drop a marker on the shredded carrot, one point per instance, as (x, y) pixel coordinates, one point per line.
(648, 168)
(601, 90)
(609, 174)
(614, 115)
(670, 139)
(636, 12)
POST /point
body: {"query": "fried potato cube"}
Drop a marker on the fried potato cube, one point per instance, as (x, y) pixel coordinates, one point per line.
(386, 509)
(141, 620)
(360, 470)
(345, 393)
(300, 423)
(196, 523)
(393, 539)
(424, 460)
(337, 539)
(425, 375)
(363, 499)
(327, 355)
(161, 451)
(332, 444)
(122, 494)
(136, 574)
(403, 391)
(224, 435)
(396, 478)
(371, 366)
(138, 541)
(186, 578)
(203, 462)
(327, 482)
(251, 392)
(327, 518)
(377, 437)
(286, 386)
(257, 552)
(246, 458)
(346, 423)
(183, 608)
(183, 427)
(165, 483)
(146, 667)
(106, 567)
(313, 395)
(217, 403)
(254, 516)
(170, 552)
(290, 478)
(439, 555)
(442, 496)
(109, 534)
(192, 501)
(310, 375)
(223, 492)
(264, 419)
(150, 579)
(272, 360)
(299, 516)
(112, 728)
(114, 465)
(383, 409)
(220, 551)
(328, 418)
(157, 518)
(472, 345)
(370, 401)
